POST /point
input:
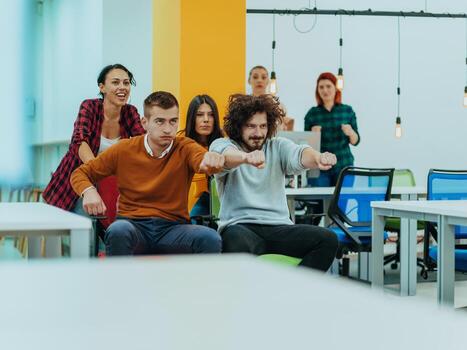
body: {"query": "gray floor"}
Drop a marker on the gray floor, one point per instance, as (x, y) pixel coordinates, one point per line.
(426, 289)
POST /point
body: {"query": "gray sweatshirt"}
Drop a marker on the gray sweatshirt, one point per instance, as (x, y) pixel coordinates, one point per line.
(257, 196)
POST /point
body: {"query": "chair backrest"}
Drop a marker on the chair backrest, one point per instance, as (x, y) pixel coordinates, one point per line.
(403, 178)
(448, 185)
(214, 202)
(108, 190)
(356, 188)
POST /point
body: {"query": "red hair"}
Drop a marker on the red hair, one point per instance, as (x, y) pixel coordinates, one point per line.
(331, 77)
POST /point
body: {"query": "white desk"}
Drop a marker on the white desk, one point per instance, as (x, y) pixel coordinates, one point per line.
(39, 219)
(326, 193)
(226, 302)
(446, 214)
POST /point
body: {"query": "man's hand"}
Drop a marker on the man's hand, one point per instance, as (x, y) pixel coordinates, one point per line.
(326, 160)
(316, 128)
(92, 203)
(347, 130)
(212, 163)
(255, 158)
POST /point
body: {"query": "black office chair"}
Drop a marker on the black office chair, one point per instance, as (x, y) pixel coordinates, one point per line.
(350, 209)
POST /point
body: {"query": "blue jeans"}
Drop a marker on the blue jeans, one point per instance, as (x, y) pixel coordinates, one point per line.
(159, 236)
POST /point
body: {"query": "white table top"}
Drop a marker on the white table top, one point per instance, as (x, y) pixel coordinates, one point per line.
(420, 190)
(450, 208)
(39, 216)
(207, 302)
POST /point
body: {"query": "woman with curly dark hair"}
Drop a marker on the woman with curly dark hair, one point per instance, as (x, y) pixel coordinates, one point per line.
(254, 217)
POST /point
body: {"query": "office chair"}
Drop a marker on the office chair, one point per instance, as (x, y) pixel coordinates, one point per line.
(445, 184)
(108, 190)
(351, 214)
(402, 178)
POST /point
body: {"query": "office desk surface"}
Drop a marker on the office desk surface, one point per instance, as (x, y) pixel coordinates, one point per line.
(450, 208)
(329, 191)
(39, 216)
(208, 302)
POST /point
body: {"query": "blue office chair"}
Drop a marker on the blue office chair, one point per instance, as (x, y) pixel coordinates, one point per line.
(446, 185)
(350, 209)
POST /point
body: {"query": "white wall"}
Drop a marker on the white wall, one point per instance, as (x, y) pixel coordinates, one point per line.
(127, 32)
(16, 60)
(74, 41)
(70, 60)
(78, 39)
(432, 76)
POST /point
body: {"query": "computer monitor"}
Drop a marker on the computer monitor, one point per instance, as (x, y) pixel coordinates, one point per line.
(311, 138)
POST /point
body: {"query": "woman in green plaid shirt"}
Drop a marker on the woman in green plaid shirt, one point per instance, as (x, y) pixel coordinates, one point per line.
(338, 126)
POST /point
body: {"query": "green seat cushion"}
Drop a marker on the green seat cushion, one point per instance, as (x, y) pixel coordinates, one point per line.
(394, 225)
(281, 259)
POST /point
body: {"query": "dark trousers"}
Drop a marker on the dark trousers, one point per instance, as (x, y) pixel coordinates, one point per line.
(315, 245)
(159, 236)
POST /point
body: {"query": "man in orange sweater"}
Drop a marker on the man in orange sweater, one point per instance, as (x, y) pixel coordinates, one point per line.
(154, 172)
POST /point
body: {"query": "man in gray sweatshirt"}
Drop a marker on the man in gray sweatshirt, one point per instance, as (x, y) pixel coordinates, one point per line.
(254, 216)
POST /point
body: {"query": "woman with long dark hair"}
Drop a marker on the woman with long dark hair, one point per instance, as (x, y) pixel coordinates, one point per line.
(203, 126)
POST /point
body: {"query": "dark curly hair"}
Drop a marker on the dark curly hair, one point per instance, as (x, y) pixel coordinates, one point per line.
(242, 107)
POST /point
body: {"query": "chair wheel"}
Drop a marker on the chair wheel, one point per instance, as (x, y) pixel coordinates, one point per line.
(394, 266)
(424, 274)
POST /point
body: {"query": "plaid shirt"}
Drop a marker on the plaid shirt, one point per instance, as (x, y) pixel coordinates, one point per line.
(87, 128)
(333, 138)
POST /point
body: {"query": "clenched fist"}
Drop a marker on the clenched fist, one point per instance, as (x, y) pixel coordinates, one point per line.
(212, 163)
(255, 158)
(326, 160)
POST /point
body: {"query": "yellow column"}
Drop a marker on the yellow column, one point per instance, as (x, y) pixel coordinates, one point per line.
(199, 48)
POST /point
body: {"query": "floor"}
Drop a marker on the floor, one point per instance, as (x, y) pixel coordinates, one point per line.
(426, 289)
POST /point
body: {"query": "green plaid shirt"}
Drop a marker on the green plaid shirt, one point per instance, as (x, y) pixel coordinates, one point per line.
(333, 138)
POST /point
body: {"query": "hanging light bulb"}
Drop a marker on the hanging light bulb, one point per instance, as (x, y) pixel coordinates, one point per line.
(398, 131)
(340, 72)
(273, 80)
(273, 84)
(398, 128)
(465, 96)
(340, 80)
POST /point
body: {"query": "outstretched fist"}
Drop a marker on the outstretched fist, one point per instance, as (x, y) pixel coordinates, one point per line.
(212, 163)
(326, 160)
(255, 158)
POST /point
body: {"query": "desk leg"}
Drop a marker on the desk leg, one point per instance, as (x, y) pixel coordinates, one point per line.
(446, 264)
(53, 246)
(34, 247)
(408, 255)
(291, 205)
(326, 202)
(377, 250)
(79, 243)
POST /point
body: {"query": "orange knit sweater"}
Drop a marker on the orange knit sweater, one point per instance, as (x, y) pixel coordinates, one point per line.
(149, 187)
